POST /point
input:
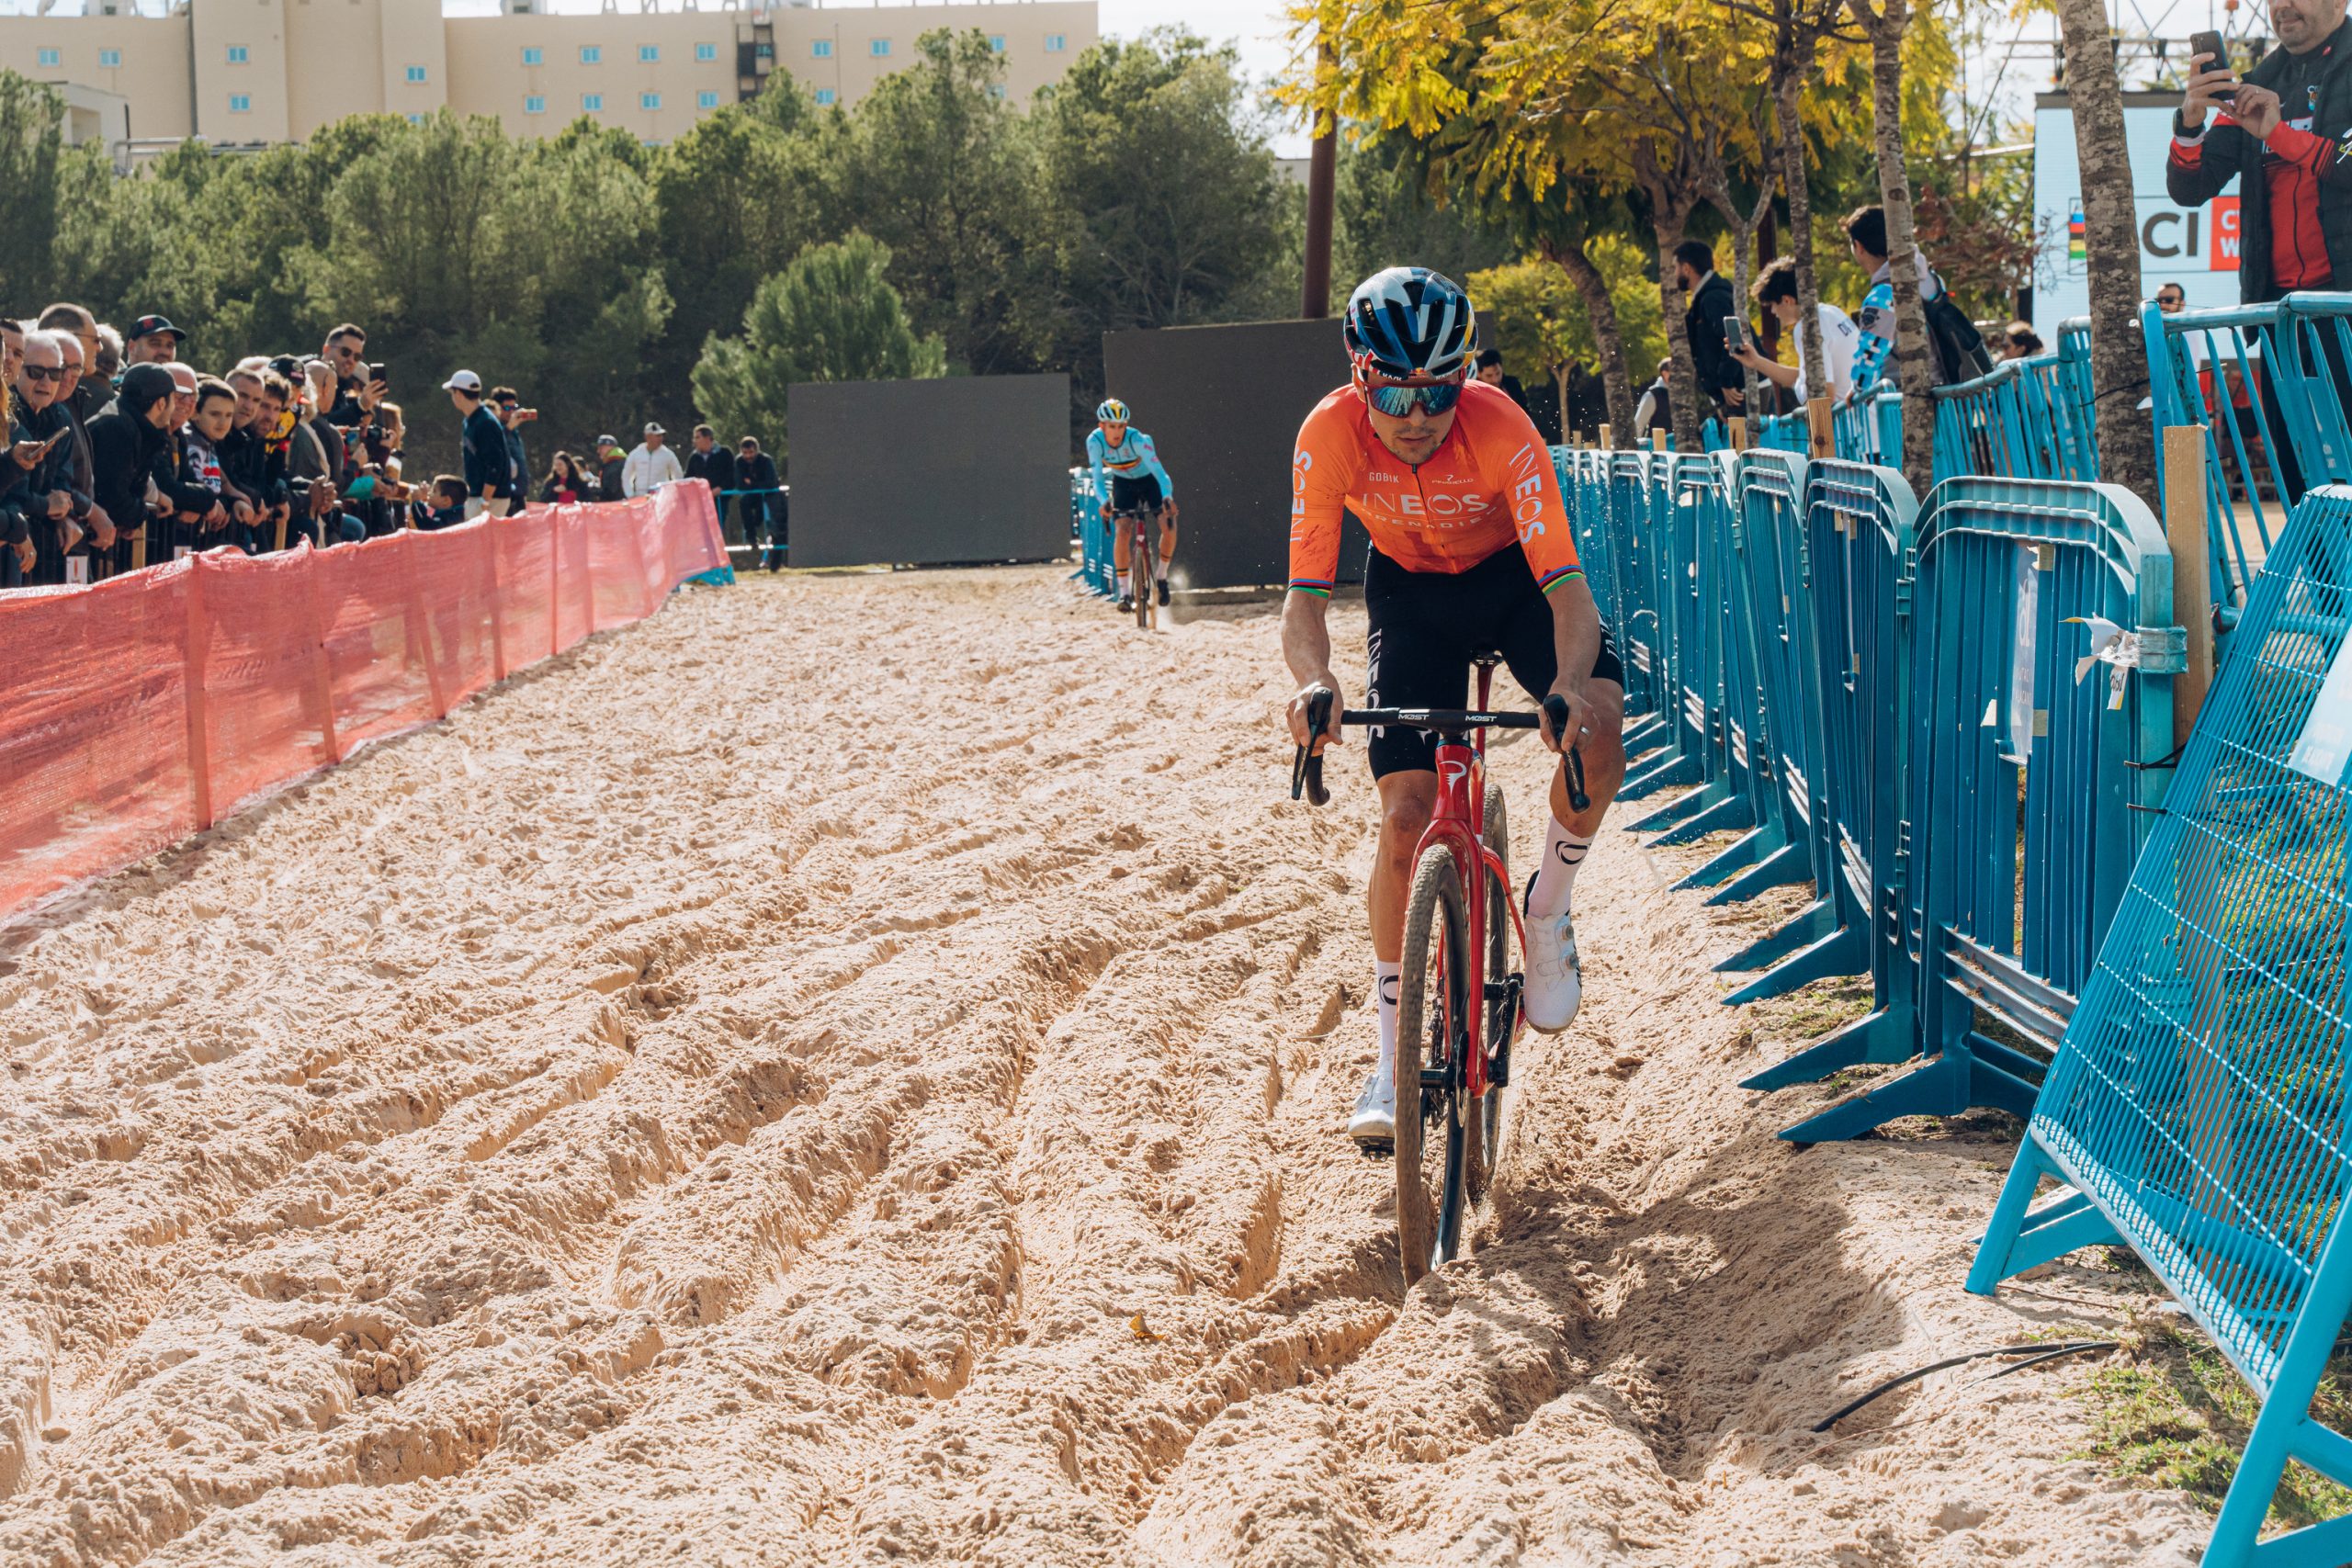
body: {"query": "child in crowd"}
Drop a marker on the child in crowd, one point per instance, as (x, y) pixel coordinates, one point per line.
(229, 517)
(447, 507)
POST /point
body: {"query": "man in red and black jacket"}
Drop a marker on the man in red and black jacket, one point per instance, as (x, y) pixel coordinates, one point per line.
(2286, 135)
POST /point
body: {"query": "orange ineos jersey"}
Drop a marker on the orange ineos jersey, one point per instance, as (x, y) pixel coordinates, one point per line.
(1488, 485)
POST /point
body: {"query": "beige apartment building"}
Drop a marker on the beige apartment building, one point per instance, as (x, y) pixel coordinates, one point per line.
(247, 72)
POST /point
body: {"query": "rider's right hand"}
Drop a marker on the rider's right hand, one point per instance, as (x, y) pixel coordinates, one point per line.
(1297, 713)
(2205, 74)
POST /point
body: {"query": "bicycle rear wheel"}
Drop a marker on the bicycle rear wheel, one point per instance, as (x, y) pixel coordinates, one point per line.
(1433, 1032)
(1147, 596)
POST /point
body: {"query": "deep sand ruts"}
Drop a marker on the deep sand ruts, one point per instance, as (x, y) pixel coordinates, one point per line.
(851, 1070)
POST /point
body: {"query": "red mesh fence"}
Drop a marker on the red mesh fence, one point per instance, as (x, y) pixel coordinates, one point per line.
(151, 705)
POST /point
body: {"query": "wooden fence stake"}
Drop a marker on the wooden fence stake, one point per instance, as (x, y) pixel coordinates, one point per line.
(2192, 600)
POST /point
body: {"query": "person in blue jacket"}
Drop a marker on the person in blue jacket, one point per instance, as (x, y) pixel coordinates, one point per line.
(1128, 478)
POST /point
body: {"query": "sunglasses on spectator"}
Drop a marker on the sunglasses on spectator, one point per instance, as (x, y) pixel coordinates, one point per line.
(44, 373)
(1398, 399)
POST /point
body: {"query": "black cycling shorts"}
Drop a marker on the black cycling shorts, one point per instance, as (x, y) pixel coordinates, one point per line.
(1140, 494)
(1426, 628)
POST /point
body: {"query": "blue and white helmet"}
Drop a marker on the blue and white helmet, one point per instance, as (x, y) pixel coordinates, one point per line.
(1406, 322)
(1111, 410)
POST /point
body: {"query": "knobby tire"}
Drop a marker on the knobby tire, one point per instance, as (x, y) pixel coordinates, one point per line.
(1432, 1137)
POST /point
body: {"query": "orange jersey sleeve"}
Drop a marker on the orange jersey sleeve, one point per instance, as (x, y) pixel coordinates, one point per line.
(1488, 485)
(1321, 473)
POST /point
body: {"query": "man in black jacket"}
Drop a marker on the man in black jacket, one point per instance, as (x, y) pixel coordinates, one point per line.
(1720, 378)
(130, 444)
(716, 464)
(48, 496)
(755, 475)
(2285, 131)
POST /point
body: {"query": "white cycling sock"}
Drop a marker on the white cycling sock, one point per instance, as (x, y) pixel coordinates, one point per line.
(1385, 982)
(1555, 879)
(1123, 584)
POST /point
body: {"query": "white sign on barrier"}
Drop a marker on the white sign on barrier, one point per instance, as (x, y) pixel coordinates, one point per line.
(2325, 743)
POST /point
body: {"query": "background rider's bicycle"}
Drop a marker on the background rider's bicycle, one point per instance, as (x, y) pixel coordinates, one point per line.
(1456, 1015)
(1143, 557)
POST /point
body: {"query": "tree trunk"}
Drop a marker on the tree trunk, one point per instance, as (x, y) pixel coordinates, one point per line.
(1914, 370)
(1793, 178)
(2127, 453)
(1616, 380)
(1683, 385)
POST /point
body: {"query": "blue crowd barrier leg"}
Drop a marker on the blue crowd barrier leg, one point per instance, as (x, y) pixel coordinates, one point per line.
(1971, 1072)
(1776, 867)
(1727, 815)
(1704, 798)
(1882, 1039)
(1844, 952)
(1809, 925)
(1671, 766)
(2014, 1217)
(2022, 1237)
(1736, 856)
(1646, 736)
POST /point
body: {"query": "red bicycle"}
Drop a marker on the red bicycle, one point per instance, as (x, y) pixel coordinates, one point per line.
(1143, 559)
(1461, 904)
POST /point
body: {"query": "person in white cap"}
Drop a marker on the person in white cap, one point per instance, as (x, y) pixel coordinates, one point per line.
(489, 470)
(650, 466)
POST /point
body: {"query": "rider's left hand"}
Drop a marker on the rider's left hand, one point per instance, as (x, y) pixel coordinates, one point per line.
(1579, 715)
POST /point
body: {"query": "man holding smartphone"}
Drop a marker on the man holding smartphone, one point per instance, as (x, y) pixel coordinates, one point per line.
(2281, 133)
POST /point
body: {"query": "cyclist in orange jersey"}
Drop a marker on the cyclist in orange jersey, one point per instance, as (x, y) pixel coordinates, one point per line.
(1471, 552)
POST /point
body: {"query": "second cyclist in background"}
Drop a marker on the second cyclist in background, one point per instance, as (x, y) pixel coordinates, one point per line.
(1134, 481)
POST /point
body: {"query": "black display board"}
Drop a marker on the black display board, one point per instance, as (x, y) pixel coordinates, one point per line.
(965, 468)
(1224, 405)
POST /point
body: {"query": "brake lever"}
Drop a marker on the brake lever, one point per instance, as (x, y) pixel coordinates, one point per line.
(1555, 711)
(1307, 765)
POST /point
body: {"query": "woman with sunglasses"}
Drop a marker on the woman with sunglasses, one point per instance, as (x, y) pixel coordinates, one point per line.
(1471, 552)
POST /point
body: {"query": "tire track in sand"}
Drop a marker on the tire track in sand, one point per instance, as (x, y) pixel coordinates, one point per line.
(661, 1113)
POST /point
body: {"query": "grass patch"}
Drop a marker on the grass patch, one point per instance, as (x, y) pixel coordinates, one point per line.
(2175, 1413)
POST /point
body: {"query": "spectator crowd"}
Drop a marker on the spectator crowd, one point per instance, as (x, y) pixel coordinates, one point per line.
(120, 454)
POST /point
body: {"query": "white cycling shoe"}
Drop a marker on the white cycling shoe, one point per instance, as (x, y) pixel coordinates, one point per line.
(1554, 985)
(1375, 1121)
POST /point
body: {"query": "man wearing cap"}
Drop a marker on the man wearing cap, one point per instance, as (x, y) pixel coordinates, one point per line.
(610, 461)
(650, 466)
(490, 471)
(152, 341)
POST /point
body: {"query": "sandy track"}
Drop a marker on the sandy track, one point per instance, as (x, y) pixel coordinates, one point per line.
(731, 1095)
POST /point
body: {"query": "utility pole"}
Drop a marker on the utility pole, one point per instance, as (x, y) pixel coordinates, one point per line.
(1315, 298)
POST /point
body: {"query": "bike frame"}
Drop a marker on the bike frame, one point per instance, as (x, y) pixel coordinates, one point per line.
(1459, 822)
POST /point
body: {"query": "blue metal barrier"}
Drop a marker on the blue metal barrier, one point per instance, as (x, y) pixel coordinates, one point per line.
(1640, 573)
(1096, 568)
(1860, 555)
(2012, 880)
(1775, 693)
(1668, 535)
(2028, 419)
(1714, 691)
(2196, 1110)
(2271, 384)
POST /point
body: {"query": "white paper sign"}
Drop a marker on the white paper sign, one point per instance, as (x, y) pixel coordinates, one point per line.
(77, 571)
(2023, 636)
(2325, 743)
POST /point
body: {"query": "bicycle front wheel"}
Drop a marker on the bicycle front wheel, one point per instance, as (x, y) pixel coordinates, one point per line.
(1486, 1118)
(1432, 1043)
(1147, 593)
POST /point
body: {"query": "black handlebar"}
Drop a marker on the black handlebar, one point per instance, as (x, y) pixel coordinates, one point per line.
(1307, 764)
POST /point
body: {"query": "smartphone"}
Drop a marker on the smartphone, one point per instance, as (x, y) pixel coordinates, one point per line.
(51, 445)
(1735, 334)
(2210, 43)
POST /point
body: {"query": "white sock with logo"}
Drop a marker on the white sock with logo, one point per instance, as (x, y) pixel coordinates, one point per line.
(1555, 878)
(1385, 982)
(1123, 584)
